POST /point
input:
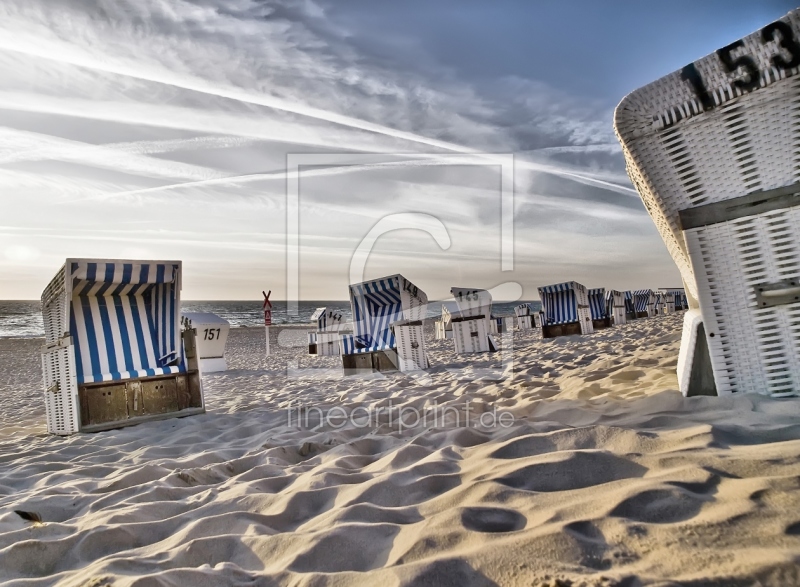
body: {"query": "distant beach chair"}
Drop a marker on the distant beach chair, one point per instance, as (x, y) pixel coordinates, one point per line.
(644, 303)
(472, 331)
(388, 333)
(616, 306)
(444, 326)
(114, 352)
(713, 151)
(566, 310)
(325, 340)
(665, 298)
(678, 294)
(601, 317)
(211, 332)
(527, 317)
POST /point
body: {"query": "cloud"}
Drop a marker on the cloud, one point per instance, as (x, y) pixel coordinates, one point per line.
(182, 114)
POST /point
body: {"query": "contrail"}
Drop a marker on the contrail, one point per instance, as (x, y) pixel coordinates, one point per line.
(202, 86)
(428, 161)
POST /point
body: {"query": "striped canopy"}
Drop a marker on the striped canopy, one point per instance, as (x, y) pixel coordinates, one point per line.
(642, 299)
(376, 305)
(559, 303)
(124, 319)
(597, 303)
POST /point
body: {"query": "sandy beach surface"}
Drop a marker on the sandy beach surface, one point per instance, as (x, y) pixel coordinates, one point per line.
(566, 462)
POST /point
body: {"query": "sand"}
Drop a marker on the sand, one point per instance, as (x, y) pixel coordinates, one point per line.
(600, 474)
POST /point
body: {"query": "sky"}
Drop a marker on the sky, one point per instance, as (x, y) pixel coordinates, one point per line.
(163, 129)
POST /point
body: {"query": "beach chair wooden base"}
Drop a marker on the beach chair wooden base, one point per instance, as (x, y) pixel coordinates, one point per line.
(115, 404)
(568, 329)
(362, 363)
(312, 349)
(602, 323)
(644, 314)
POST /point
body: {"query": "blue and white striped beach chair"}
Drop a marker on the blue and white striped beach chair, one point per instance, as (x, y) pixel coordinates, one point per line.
(566, 310)
(114, 351)
(644, 303)
(599, 308)
(677, 297)
(472, 328)
(325, 340)
(388, 334)
(616, 306)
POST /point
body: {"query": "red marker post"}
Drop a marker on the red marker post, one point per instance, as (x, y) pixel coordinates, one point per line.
(267, 315)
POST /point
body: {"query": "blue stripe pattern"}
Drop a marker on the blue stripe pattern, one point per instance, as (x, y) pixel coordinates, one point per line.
(629, 307)
(597, 303)
(641, 299)
(375, 304)
(124, 320)
(559, 303)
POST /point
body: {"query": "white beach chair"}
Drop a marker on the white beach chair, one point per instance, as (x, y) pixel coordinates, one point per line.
(601, 318)
(211, 333)
(444, 326)
(324, 341)
(527, 318)
(388, 333)
(713, 151)
(114, 352)
(565, 308)
(472, 331)
(666, 300)
(616, 306)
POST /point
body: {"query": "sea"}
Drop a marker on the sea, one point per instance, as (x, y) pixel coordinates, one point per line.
(19, 319)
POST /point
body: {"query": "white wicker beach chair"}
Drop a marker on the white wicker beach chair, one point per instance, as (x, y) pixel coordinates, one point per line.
(527, 317)
(211, 332)
(472, 330)
(565, 308)
(714, 151)
(114, 352)
(616, 307)
(324, 341)
(388, 333)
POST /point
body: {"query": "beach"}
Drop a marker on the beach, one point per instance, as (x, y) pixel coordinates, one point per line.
(566, 462)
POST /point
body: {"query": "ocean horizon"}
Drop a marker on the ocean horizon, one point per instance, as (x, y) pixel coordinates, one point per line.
(23, 318)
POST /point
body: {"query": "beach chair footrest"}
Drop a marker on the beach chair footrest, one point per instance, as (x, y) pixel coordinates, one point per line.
(554, 330)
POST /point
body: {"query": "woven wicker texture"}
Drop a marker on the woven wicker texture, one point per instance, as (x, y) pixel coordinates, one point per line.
(679, 156)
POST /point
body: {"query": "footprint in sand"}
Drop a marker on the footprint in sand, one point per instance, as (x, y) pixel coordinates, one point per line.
(661, 506)
(486, 519)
